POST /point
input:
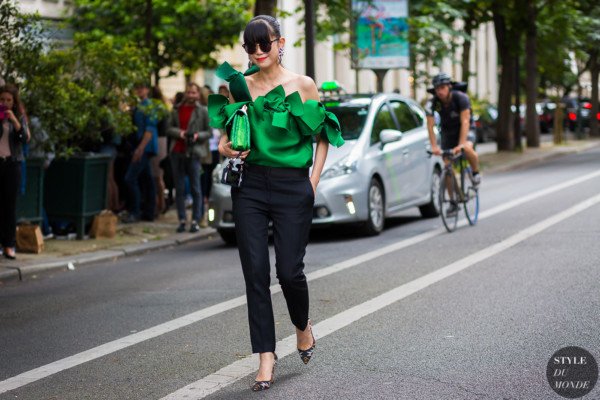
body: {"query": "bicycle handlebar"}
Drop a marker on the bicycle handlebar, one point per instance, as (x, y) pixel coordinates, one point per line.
(449, 154)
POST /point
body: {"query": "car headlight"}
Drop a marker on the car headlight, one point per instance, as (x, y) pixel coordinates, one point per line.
(340, 168)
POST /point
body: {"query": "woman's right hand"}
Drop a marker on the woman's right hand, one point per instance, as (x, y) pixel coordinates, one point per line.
(226, 150)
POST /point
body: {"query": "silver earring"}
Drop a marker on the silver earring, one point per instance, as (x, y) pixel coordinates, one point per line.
(281, 53)
(249, 64)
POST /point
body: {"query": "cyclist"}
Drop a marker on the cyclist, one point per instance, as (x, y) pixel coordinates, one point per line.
(454, 110)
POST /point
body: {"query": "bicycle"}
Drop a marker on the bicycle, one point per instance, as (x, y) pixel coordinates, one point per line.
(456, 189)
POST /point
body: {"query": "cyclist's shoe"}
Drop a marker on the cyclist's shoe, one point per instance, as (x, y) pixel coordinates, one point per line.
(452, 210)
(476, 180)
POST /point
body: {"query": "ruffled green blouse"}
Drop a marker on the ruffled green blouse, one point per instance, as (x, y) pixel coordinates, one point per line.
(281, 127)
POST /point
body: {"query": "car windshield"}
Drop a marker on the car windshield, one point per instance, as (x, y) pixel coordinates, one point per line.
(352, 118)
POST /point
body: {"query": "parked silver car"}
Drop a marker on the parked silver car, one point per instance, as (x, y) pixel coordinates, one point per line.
(382, 168)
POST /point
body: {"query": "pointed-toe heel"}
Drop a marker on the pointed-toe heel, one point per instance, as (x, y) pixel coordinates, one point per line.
(259, 386)
(306, 355)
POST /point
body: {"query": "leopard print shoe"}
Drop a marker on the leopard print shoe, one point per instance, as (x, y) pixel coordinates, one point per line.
(259, 386)
(306, 355)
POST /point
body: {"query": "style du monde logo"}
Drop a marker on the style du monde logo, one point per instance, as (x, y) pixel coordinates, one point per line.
(572, 372)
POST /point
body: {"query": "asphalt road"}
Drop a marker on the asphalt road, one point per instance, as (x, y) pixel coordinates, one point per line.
(476, 314)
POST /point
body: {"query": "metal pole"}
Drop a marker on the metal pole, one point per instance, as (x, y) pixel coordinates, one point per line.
(309, 27)
(380, 76)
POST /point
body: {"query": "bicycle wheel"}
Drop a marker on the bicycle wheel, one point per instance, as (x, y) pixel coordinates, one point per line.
(471, 198)
(448, 203)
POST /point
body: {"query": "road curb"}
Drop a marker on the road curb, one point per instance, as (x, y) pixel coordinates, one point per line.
(20, 273)
(9, 274)
(541, 158)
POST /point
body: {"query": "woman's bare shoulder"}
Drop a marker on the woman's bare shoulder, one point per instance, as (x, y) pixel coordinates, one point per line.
(306, 86)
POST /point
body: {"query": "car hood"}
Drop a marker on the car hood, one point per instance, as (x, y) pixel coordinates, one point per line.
(335, 154)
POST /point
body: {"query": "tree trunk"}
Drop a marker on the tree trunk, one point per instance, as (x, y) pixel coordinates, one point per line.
(532, 124)
(594, 71)
(517, 87)
(265, 7)
(466, 55)
(148, 40)
(504, 136)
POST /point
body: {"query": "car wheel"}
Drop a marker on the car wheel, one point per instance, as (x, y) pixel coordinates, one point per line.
(432, 209)
(376, 209)
(228, 236)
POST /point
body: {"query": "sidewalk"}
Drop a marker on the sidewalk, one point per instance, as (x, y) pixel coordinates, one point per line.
(142, 237)
(131, 239)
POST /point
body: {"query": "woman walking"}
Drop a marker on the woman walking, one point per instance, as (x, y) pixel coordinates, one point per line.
(284, 114)
(13, 134)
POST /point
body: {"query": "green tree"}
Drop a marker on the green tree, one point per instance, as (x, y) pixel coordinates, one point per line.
(78, 91)
(472, 13)
(21, 41)
(555, 46)
(176, 34)
(433, 36)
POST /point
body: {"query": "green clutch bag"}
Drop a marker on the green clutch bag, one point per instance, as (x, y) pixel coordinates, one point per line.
(240, 131)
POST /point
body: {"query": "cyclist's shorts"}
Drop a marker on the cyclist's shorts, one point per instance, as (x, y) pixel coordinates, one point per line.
(450, 140)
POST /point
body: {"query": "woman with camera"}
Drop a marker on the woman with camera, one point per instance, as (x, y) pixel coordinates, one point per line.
(13, 134)
(284, 114)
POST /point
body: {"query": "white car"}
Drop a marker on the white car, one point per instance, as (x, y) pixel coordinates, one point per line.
(382, 168)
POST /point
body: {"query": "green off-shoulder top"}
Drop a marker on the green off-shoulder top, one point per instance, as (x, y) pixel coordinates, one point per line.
(281, 127)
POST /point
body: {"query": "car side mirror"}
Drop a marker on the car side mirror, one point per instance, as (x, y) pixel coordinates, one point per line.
(389, 136)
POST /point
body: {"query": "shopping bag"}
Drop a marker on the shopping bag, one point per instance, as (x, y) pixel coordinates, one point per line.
(30, 239)
(104, 225)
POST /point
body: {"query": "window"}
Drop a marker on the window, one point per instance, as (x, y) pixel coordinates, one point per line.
(352, 120)
(383, 120)
(404, 116)
(418, 113)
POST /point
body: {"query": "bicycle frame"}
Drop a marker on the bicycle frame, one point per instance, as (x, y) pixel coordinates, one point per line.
(459, 194)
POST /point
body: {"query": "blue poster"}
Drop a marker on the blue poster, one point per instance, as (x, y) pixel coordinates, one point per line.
(381, 33)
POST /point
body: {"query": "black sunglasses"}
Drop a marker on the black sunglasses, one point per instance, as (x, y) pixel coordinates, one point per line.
(264, 46)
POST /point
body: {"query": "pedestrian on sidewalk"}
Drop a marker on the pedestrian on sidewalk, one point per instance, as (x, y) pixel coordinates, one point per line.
(188, 125)
(284, 114)
(13, 135)
(146, 146)
(162, 126)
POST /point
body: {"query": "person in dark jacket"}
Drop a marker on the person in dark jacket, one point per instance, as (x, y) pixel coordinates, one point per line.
(13, 134)
(188, 127)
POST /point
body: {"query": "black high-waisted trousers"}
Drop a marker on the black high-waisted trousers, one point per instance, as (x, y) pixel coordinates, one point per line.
(284, 196)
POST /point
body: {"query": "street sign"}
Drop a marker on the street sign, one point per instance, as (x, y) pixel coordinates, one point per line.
(380, 34)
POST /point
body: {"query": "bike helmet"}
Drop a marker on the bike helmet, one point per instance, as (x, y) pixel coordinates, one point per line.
(441, 79)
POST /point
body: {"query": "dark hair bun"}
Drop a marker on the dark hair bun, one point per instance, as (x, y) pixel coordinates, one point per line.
(260, 28)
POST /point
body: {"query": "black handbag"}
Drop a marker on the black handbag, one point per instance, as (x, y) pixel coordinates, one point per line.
(233, 173)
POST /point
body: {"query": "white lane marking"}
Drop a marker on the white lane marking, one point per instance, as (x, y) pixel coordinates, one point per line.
(242, 368)
(158, 330)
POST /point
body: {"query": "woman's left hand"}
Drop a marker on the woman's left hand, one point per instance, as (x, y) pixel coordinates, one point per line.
(11, 116)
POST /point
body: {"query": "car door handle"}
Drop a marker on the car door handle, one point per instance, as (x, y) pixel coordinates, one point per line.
(405, 152)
